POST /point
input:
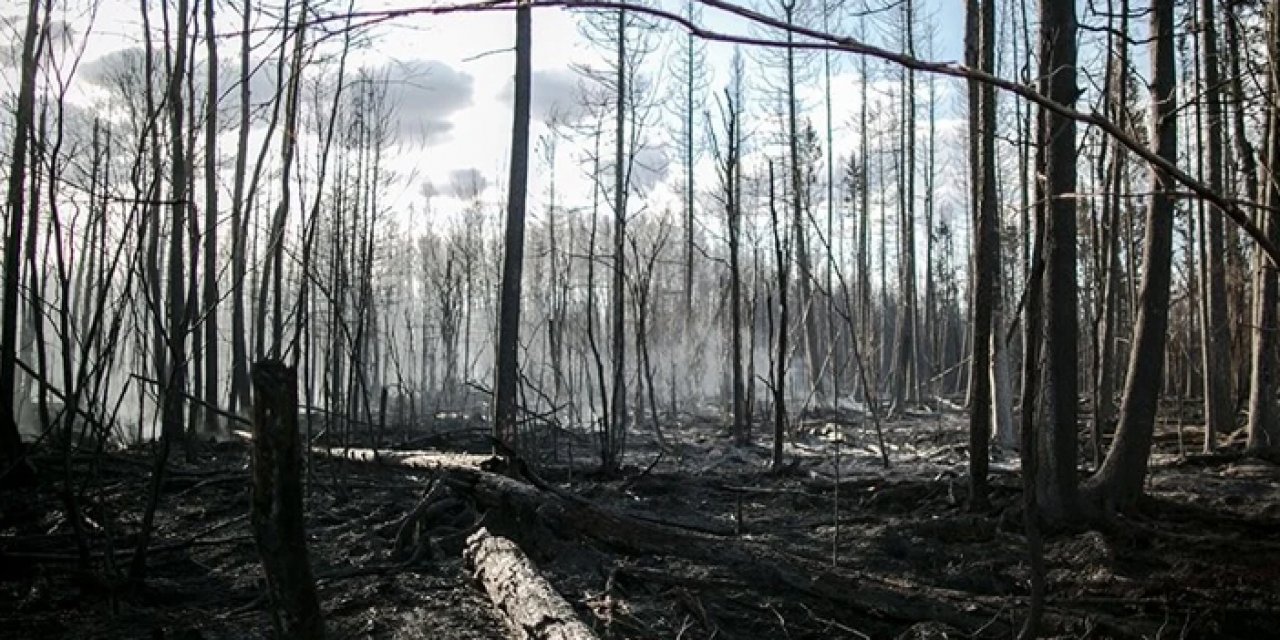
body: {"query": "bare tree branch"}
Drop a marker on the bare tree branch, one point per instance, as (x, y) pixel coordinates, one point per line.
(820, 40)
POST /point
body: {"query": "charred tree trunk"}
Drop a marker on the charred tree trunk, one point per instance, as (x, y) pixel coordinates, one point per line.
(1057, 483)
(276, 505)
(210, 291)
(1219, 416)
(981, 23)
(11, 459)
(1263, 430)
(782, 258)
(804, 269)
(618, 397)
(239, 231)
(1118, 483)
(1104, 389)
(507, 384)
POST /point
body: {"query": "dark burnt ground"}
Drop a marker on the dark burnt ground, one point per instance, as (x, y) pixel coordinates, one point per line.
(1201, 559)
(204, 572)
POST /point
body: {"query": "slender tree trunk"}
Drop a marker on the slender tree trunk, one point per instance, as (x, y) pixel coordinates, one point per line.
(907, 387)
(1031, 395)
(1216, 330)
(210, 297)
(196, 357)
(1264, 432)
(239, 231)
(1104, 390)
(1057, 483)
(801, 249)
(729, 173)
(177, 321)
(606, 425)
(1000, 374)
(928, 355)
(1028, 138)
(1246, 186)
(14, 469)
(865, 305)
(780, 355)
(981, 47)
(618, 399)
(507, 384)
(1118, 483)
(272, 279)
(836, 360)
(689, 65)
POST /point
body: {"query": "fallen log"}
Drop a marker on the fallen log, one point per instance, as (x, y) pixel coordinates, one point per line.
(527, 510)
(526, 602)
(540, 516)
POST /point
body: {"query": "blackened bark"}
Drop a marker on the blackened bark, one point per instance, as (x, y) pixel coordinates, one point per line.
(276, 506)
(729, 171)
(780, 356)
(1219, 416)
(1057, 483)
(618, 399)
(981, 44)
(1263, 430)
(210, 291)
(239, 353)
(11, 459)
(1118, 483)
(505, 391)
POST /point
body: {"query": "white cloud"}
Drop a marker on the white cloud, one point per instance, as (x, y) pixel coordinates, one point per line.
(557, 94)
(426, 95)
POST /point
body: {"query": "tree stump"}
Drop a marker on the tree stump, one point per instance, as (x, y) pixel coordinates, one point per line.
(275, 509)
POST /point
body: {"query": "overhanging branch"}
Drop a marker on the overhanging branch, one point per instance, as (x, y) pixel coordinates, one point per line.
(823, 41)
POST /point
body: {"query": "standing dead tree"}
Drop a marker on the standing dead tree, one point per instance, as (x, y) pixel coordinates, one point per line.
(507, 383)
(10, 440)
(728, 154)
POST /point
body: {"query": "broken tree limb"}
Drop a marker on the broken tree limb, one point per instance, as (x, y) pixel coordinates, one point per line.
(275, 509)
(526, 602)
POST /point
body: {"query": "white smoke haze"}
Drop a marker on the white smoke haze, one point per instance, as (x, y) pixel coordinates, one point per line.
(406, 230)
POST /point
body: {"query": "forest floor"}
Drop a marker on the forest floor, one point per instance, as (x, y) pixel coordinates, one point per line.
(1200, 560)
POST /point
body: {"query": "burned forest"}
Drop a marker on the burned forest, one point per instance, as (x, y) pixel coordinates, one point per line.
(640, 319)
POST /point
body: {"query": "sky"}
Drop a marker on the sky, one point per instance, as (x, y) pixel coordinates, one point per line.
(450, 82)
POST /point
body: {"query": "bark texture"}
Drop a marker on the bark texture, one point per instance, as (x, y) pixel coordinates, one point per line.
(276, 504)
(986, 247)
(1218, 411)
(1057, 483)
(526, 602)
(11, 448)
(1263, 430)
(507, 384)
(1118, 483)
